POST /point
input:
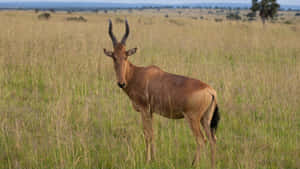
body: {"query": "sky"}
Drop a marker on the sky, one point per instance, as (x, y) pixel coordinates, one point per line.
(286, 2)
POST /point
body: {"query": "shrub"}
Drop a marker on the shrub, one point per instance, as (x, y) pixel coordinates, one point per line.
(44, 16)
(288, 22)
(218, 19)
(233, 16)
(78, 19)
(251, 14)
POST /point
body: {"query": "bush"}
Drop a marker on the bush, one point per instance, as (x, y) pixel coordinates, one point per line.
(251, 14)
(78, 19)
(297, 14)
(288, 22)
(44, 16)
(218, 19)
(233, 16)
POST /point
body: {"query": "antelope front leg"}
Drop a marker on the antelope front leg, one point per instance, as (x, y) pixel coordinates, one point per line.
(148, 134)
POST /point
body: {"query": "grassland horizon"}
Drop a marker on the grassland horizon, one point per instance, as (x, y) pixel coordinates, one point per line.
(60, 106)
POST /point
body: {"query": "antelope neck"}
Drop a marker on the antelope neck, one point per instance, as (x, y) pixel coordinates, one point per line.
(130, 71)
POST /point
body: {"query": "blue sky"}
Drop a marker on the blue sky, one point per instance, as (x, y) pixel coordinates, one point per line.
(286, 2)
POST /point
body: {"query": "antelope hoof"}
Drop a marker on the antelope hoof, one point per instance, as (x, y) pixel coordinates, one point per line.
(195, 161)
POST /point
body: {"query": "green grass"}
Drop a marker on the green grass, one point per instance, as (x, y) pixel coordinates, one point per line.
(60, 106)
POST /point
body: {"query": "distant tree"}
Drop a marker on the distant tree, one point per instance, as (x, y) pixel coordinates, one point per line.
(267, 9)
(36, 10)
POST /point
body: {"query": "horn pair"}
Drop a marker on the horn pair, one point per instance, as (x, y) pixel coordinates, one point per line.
(112, 36)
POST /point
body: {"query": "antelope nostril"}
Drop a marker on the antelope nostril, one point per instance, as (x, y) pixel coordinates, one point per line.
(121, 85)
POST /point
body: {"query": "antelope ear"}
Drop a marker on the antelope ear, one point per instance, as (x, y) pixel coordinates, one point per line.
(131, 51)
(108, 53)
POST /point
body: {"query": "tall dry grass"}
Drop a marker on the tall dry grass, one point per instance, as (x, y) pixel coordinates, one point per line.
(60, 106)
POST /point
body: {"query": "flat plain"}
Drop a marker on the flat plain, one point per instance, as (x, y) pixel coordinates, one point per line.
(60, 106)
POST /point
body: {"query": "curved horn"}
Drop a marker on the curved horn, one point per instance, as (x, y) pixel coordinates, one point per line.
(112, 36)
(126, 33)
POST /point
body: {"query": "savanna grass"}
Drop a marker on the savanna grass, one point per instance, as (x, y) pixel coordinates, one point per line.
(60, 106)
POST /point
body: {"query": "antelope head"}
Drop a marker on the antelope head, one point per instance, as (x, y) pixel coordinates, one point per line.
(120, 55)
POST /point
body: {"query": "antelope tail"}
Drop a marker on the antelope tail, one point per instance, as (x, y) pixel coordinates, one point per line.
(215, 119)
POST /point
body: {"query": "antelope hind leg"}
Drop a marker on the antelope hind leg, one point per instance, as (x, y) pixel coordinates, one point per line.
(195, 127)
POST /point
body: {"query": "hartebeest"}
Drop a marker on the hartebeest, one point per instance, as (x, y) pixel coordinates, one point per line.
(152, 90)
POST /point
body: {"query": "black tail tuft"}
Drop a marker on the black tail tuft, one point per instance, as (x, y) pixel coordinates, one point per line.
(215, 119)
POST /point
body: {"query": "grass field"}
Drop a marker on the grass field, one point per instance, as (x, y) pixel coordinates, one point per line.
(60, 106)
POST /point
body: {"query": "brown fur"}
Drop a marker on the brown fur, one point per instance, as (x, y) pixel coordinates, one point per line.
(152, 90)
